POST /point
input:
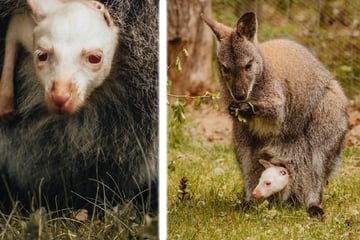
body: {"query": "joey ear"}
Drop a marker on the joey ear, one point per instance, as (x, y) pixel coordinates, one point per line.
(40, 8)
(283, 172)
(265, 163)
(99, 6)
(36, 12)
(247, 26)
(220, 30)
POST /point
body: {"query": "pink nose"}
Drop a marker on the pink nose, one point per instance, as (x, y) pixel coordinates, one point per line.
(60, 99)
(256, 193)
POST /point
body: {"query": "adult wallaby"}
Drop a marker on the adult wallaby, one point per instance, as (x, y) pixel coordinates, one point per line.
(284, 104)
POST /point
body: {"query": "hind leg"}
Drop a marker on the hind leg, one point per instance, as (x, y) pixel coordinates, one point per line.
(314, 198)
(325, 138)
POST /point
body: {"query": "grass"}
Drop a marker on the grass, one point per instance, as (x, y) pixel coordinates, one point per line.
(211, 206)
(124, 221)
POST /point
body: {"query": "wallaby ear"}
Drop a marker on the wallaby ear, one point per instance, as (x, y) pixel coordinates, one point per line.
(40, 8)
(99, 6)
(247, 26)
(265, 163)
(219, 29)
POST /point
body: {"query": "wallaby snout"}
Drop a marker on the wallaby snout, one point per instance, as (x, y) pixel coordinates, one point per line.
(240, 92)
(62, 98)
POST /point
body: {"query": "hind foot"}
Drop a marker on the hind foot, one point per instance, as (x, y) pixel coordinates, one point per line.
(316, 211)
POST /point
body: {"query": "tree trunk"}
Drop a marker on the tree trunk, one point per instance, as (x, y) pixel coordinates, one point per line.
(186, 30)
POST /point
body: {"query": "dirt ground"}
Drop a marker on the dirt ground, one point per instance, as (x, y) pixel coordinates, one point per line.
(213, 125)
(216, 125)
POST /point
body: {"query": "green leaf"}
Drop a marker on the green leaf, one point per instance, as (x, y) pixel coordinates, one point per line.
(198, 101)
(216, 95)
(178, 108)
(239, 117)
(178, 67)
(215, 105)
(168, 85)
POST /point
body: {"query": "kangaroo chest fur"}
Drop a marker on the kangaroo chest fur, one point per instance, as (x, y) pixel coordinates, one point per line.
(262, 127)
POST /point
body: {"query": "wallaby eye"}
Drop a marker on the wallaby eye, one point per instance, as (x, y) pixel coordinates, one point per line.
(94, 59)
(248, 67)
(267, 183)
(225, 70)
(42, 56)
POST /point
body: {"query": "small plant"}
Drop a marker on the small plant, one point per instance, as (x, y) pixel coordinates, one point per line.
(183, 191)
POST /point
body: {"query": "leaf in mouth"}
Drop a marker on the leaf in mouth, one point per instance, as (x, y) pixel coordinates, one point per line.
(241, 118)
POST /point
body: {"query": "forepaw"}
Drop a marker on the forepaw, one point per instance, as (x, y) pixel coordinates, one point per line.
(316, 211)
(241, 111)
(234, 109)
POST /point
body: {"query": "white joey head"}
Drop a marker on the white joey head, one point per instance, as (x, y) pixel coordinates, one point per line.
(74, 45)
(274, 179)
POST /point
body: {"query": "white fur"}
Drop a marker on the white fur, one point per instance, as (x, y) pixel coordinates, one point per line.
(68, 32)
(274, 179)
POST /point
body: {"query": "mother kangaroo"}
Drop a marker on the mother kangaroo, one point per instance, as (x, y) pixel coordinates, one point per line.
(285, 105)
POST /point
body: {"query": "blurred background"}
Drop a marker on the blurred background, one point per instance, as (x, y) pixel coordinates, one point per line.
(329, 29)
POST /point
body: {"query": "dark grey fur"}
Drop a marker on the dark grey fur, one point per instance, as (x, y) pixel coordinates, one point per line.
(294, 108)
(113, 139)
